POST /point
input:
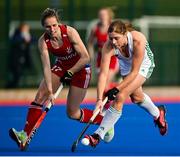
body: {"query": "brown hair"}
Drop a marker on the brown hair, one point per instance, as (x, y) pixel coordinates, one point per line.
(48, 12)
(120, 27)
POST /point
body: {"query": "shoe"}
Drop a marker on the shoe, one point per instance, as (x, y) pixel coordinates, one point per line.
(94, 139)
(18, 136)
(161, 121)
(109, 135)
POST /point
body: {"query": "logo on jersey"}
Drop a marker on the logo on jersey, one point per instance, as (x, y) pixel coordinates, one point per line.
(70, 56)
(69, 50)
(47, 40)
(64, 35)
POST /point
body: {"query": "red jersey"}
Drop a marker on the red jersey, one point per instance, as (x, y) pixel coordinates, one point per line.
(101, 38)
(67, 58)
(66, 54)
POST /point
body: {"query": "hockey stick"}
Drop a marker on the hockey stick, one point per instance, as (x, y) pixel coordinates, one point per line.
(75, 144)
(24, 146)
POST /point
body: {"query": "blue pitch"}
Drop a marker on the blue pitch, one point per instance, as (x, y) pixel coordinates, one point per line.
(135, 134)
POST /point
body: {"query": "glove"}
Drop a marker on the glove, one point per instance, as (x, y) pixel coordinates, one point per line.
(66, 79)
(111, 94)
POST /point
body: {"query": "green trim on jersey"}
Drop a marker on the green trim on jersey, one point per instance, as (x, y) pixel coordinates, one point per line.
(151, 57)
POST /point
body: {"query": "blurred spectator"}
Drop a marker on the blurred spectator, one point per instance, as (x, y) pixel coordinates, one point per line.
(19, 56)
(97, 38)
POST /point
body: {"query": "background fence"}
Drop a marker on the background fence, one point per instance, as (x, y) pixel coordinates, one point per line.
(164, 40)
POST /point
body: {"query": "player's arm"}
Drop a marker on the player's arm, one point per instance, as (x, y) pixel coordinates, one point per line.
(107, 53)
(46, 63)
(90, 44)
(79, 48)
(138, 55)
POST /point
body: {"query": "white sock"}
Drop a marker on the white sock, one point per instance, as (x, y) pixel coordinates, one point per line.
(111, 117)
(149, 106)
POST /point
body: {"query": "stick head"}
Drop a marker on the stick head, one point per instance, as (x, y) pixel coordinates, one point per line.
(74, 146)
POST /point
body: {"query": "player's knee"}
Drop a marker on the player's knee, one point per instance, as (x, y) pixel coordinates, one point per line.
(72, 115)
(136, 99)
(119, 101)
(121, 97)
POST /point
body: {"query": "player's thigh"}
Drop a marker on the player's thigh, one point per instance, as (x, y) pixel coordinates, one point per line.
(137, 96)
(75, 98)
(134, 85)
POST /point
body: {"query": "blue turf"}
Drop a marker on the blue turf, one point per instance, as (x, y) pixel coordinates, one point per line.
(135, 134)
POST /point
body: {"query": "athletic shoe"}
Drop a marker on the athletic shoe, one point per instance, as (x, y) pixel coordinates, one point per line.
(109, 135)
(94, 139)
(161, 121)
(18, 136)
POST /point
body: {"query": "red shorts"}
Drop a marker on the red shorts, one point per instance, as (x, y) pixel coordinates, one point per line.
(112, 65)
(80, 79)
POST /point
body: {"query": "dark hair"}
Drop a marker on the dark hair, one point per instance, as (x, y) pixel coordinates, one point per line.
(48, 12)
(120, 27)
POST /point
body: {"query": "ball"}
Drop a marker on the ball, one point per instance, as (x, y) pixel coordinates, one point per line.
(85, 141)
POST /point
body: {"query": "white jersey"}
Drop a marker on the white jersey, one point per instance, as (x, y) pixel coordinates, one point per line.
(125, 63)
